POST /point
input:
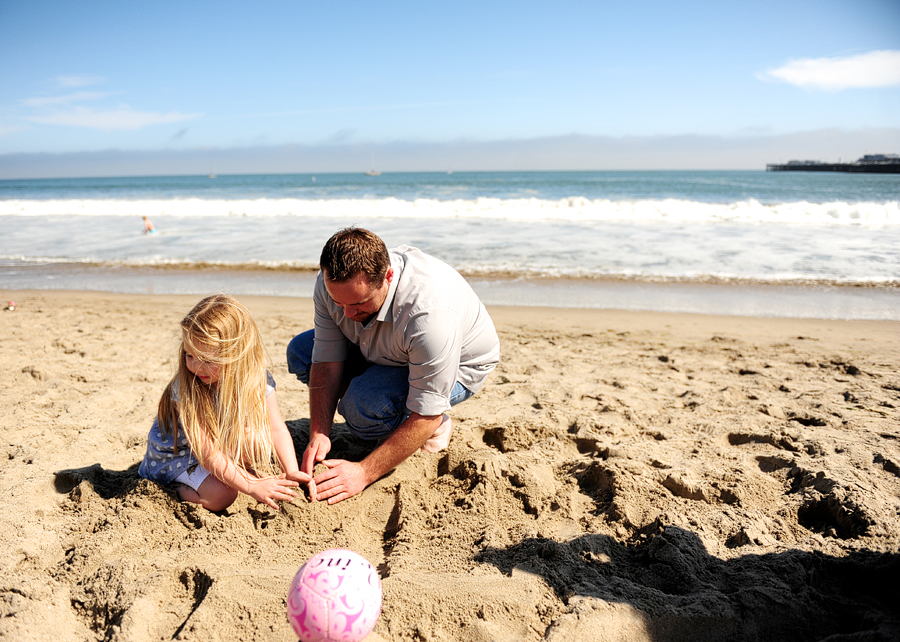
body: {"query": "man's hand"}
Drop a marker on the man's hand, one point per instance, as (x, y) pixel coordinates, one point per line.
(318, 447)
(269, 489)
(343, 479)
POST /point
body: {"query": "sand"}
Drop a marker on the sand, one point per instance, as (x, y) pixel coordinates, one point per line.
(621, 476)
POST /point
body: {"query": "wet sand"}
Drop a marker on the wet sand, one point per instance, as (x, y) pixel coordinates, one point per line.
(722, 297)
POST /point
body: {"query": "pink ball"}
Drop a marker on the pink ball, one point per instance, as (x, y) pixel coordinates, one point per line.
(336, 595)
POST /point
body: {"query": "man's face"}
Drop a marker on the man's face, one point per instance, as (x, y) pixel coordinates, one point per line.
(360, 300)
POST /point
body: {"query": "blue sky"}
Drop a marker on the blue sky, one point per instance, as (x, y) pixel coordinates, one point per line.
(174, 78)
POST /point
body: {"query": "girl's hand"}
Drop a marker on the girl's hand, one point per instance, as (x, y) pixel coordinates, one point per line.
(298, 476)
(268, 490)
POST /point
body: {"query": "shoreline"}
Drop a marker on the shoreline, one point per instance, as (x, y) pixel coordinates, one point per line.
(61, 266)
(527, 316)
(730, 298)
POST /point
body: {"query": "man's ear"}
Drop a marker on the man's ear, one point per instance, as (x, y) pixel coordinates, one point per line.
(389, 275)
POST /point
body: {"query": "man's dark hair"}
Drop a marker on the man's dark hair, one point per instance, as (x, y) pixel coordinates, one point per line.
(352, 251)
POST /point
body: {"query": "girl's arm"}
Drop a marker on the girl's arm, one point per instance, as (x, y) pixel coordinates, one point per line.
(284, 444)
(265, 490)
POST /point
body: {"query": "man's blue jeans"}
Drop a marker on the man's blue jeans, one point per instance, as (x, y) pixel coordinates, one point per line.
(375, 402)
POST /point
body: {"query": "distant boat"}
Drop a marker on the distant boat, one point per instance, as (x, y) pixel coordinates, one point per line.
(373, 171)
(211, 176)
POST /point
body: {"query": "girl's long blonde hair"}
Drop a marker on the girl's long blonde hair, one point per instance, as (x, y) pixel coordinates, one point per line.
(230, 414)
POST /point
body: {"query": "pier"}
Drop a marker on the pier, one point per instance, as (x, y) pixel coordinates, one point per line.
(868, 164)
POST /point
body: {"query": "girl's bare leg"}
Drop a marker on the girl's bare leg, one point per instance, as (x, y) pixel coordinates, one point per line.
(212, 495)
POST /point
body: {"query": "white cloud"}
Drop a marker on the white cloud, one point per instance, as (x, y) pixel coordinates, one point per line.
(123, 117)
(5, 130)
(79, 96)
(874, 69)
(79, 81)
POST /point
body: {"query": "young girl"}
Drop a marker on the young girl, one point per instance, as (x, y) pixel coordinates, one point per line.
(218, 418)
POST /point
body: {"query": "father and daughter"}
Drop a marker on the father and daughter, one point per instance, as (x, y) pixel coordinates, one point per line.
(399, 338)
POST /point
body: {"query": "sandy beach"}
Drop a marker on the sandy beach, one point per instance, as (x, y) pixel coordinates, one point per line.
(628, 476)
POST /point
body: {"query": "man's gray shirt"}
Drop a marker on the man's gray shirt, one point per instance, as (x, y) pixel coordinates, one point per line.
(431, 321)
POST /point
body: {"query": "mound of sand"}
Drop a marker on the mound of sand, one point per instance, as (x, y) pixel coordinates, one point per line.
(622, 476)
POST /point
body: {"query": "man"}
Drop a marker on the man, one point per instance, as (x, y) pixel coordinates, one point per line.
(399, 338)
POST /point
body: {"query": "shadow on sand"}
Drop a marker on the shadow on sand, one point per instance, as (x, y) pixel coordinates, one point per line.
(678, 592)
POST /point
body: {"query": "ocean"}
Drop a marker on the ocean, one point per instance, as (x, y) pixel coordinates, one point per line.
(794, 244)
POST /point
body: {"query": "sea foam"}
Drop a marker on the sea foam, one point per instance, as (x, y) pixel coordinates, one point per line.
(576, 209)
